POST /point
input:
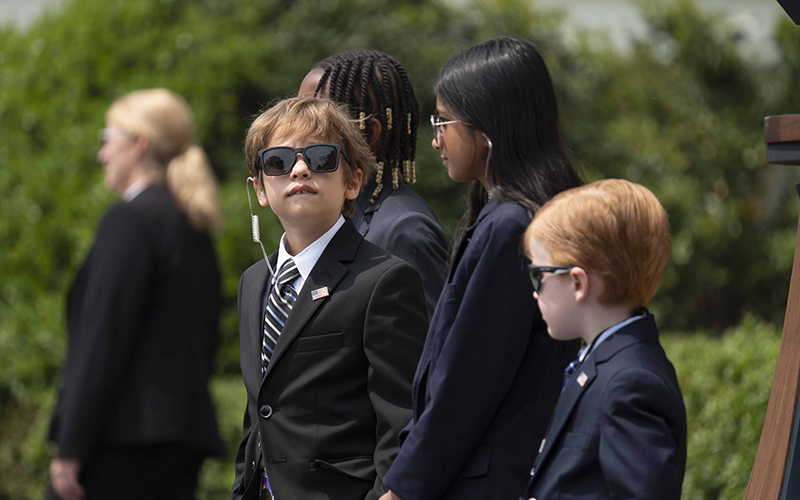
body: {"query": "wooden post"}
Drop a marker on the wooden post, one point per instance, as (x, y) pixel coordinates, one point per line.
(778, 455)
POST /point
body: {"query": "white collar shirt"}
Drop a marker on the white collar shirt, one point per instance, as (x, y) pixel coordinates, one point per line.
(306, 259)
(134, 190)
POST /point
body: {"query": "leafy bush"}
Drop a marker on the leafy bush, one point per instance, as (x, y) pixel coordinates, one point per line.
(680, 114)
(725, 383)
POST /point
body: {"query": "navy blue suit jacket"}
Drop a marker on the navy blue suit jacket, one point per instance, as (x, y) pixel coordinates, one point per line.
(402, 223)
(619, 430)
(489, 375)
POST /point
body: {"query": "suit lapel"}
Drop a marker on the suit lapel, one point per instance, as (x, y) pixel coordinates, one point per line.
(327, 272)
(573, 391)
(638, 331)
(253, 311)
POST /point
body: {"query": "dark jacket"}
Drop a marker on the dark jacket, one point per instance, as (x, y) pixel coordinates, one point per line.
(619, 430)
(324, 418)
(142, 324)
(488, 378)
(403, 224)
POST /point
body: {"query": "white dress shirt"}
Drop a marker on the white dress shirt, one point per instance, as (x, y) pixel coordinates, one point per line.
(307, 259)
(135, 190)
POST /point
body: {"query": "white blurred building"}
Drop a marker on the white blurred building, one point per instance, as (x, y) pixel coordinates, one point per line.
(754, 19)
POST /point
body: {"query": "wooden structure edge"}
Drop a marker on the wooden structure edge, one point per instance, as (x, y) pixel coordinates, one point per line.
(768, 476)
(781, 128)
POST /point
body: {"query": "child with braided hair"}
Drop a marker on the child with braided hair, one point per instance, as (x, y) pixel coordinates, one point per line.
(379, 94)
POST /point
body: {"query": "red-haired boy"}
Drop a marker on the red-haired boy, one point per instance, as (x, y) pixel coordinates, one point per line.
(598, 253)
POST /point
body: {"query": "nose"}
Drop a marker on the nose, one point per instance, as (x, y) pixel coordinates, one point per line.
(536, 295)
(435, 143)
(300, 168)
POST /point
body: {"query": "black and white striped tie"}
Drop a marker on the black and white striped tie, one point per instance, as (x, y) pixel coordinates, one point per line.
(279, 306)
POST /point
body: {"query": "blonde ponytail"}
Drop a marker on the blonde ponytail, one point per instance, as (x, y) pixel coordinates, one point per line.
(165, 119)
(194, 187)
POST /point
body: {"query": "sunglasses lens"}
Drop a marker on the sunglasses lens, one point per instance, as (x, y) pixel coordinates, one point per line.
(277, 161)
(322, 158)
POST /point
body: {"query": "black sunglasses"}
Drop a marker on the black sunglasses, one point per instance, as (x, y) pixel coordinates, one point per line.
(280, 160)
(536, 273)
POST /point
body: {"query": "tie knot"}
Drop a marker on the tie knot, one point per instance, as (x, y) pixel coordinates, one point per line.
(573, 365)
(287, 273)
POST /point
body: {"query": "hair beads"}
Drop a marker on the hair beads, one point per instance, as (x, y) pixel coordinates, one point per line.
(374, 84)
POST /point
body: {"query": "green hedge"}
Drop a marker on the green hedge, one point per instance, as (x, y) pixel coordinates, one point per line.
(681, 114)
(725, 382)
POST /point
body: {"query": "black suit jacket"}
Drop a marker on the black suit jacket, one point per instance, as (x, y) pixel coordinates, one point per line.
(402, 223)
(489, 376)
(619, 430)
(324, 419)
(142, 324)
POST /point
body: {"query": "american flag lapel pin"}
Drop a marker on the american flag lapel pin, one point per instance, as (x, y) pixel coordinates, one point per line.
(319, 293)
(582, 378)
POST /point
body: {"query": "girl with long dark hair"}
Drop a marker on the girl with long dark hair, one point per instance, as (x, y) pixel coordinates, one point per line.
(489, 375)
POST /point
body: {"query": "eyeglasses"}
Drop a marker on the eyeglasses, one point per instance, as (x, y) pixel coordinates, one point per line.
(105, 134)
(536, 273)
(321, 158)
(437, 123)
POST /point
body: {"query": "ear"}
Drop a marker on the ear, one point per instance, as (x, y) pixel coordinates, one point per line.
(375, 129)
(580, 284)
(141, 144)
(354, 186)
(260, 194)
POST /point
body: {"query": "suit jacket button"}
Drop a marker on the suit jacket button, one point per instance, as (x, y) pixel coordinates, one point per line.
(253, 465)
(265, 412)
(258, 445)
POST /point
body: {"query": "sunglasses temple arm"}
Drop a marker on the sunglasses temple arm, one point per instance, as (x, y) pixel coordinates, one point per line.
(254, 224)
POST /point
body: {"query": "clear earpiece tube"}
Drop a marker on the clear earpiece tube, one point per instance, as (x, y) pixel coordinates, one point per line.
(255, 227)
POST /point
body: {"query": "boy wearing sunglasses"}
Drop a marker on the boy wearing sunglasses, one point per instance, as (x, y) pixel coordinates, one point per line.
(598, 253)
(330, 342)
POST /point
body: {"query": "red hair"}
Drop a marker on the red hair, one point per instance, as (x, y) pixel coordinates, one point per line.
(613, 228)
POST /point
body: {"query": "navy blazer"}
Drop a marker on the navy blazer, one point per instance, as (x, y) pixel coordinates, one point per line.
(402, 223)
(619, 430)
(489, 375)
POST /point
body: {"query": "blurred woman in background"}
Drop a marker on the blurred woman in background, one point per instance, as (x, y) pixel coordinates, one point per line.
(134, 418)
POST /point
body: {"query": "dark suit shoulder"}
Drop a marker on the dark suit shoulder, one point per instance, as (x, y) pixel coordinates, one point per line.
(500, 230)
(371, 256)
(404, 200)
(640, 363)
(153, 208)
(506, 214)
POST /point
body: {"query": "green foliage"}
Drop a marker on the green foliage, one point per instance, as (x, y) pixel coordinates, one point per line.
(680, 114)
(683, 115)
(725, 383)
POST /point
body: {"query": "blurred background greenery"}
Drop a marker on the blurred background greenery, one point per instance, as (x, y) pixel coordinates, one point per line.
(680, 112)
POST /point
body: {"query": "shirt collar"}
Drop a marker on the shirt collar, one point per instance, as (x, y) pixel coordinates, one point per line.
(589, 348)
(135, 190)
(307, 259)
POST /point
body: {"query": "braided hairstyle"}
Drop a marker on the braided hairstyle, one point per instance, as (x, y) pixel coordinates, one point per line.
(373, 84)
